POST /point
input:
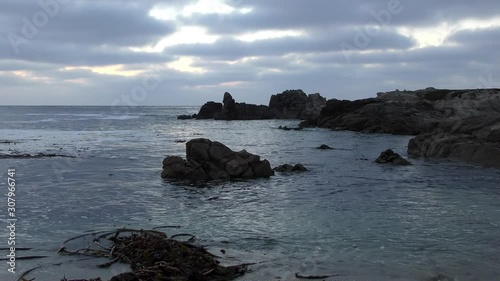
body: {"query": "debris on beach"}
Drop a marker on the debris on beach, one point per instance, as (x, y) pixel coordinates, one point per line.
(152, 256)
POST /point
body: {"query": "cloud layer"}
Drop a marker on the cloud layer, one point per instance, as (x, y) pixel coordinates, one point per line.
(181, 53)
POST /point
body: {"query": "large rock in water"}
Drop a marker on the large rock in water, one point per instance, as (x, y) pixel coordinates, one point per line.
(232, 110)
(209, 109)
(208, 160)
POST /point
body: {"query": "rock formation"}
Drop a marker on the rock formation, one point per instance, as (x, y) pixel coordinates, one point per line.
(312, 109)
(391, 157)
(461, 124)
(474, 139)
(207, 160)
(209, 109)
(295, 104)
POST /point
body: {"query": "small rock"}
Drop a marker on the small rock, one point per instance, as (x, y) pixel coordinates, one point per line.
(390, 156)
(324, 147)
(187, 117)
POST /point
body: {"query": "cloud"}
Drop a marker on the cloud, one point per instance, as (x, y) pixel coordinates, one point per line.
(94, 52)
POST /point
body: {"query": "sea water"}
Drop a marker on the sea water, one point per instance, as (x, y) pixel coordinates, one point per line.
(346, 217)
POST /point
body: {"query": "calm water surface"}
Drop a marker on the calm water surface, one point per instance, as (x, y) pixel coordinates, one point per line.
(347, 216)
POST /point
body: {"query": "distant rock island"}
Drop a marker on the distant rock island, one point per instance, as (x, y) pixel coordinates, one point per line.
(459, 124)
(291, 104)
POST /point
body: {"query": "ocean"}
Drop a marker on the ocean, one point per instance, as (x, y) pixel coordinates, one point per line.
(346, 217)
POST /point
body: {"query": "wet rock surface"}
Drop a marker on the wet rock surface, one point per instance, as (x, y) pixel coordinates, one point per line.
(391, 157)
(210, 160)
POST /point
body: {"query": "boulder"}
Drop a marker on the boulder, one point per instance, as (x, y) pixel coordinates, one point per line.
(390, 156)
(209, 109)
(209, 160)
(287, 168)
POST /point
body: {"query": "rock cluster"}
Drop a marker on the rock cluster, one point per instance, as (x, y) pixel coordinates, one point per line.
(287, 168)
(211, 160)
(291, 104)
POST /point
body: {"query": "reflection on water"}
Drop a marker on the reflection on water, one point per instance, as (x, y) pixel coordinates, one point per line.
(346, 216)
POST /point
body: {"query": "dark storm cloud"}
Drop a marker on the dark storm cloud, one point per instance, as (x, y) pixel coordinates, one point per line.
(81, 32)
(290, 14)
(485, 39)
(329, 40)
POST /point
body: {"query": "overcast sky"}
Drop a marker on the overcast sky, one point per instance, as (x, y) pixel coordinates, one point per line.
(120, 52)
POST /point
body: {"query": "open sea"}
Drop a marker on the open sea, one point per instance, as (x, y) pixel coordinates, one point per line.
(347, 217)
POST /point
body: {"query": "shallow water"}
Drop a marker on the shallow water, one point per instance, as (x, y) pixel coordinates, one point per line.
(347, 216)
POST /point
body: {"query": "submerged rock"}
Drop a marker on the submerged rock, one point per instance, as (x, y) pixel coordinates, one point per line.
(390, 156)
(208, 160)
(187, 117)
(324, 147)
(287, 168)
(30, 156)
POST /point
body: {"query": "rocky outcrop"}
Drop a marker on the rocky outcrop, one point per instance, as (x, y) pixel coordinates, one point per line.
(295, 104)
(209, 109)
(288, 105)
(312, 109)
(391, 157)
(208, 160)
(377, 116)
(473, 139)
(231, 110)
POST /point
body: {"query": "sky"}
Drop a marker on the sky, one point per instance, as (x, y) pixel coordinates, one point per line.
(132, 52)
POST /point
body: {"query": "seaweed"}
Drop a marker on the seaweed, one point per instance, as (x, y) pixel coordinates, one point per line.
(152, 256)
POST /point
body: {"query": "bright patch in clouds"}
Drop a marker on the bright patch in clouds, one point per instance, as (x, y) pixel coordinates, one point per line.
(200, 7)
(108, 70)
(268, 34)
(437, 35)
(184, 65)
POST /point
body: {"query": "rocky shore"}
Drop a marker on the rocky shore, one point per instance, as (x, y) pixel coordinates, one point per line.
(457, 124)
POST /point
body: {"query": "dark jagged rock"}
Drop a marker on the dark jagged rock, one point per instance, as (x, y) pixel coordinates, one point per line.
(390, 156)
(209, 109)
(376, 116)
(287, 168)
(232, 110)
(474, 139)
(295, 104)
(187, 117)
(324, 147)
(288, 105)
(312, 109)
(207, 160)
